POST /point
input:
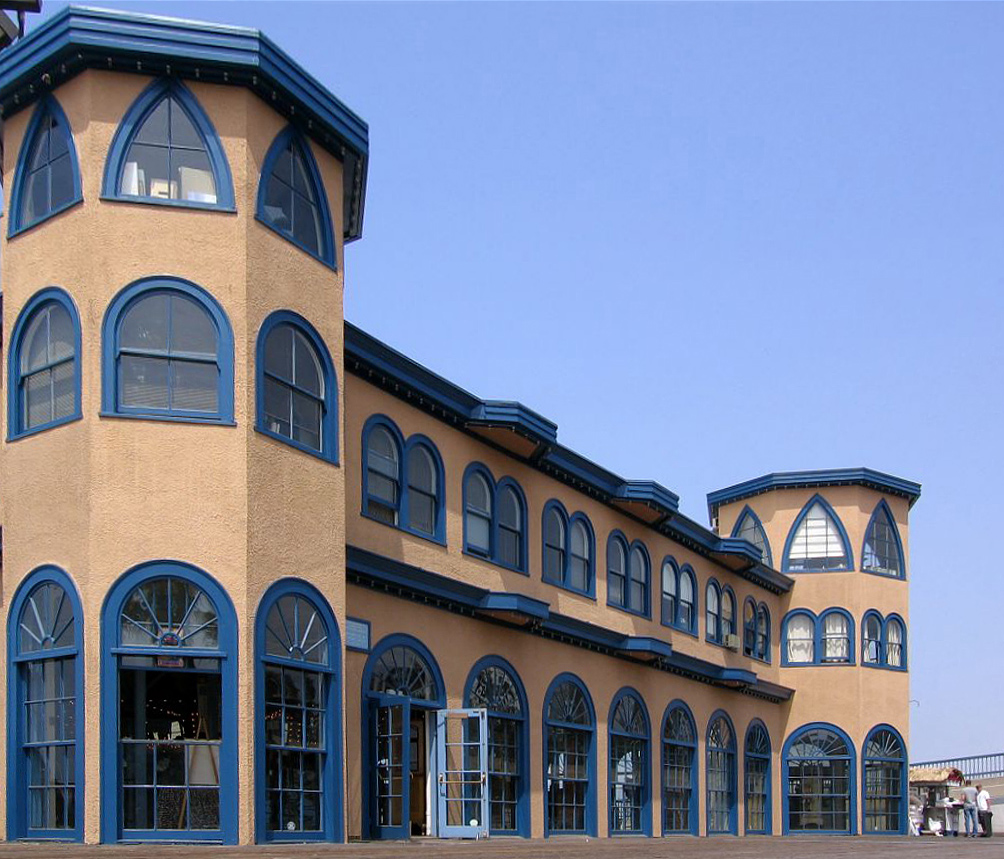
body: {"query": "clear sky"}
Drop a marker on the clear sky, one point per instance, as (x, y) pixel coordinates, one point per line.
(710, 241)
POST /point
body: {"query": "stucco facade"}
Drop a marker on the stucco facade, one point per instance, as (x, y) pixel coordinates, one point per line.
(116, 495)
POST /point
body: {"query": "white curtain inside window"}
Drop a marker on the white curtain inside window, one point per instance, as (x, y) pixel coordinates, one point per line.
(801, 635)
(836, 641)
(817, 537)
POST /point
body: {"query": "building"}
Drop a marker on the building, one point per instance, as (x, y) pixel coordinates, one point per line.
(266, 578)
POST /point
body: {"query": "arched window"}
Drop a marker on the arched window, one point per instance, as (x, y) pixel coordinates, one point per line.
(748, 527)
(45, 764)
(895, 638)
(423, 490)
(763, 633)
(628, 771)
(679, 772)
(883, 549)
(728, 614)
(567, 549)
(494, 518)
(166, 151)
(169, 707)
(297, 396)
(837, 632)
(510, 540)
(749, 627)
(298, 747)
(494, 685)
(168, 354)
(554, 543)
(818, 774)
(580, 572)
(569, 765)
(383, 475)
(47, 175)
(713, 612)
(871, 639)
(403, 671)
(721, 775)
(885, 782)
(799, 639)
(44, 366)
(478, 514)
(669, 591)
(616, 571)
(291, 197)
(817, 541)
(757, 769)
(637, 592)
(688, 602)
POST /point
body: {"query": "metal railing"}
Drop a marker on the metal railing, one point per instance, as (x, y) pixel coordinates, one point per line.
(977, 766)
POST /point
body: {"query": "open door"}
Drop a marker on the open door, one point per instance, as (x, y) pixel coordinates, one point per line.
(390, 716)
(462, 766)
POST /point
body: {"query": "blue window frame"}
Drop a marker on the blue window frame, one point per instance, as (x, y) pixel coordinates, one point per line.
(749, 527)
(798, 638)
(819, 781)
(298, 724)
(44, 365)
(47, 174)
(836, 636)
(569, 548)
(494, 685)
(628, 773)
(817, 541)
(569, 758)
(824, 640)
(872, 651)
(679, 771)
(756, 769)
(291, 197)
(169, 707)
(884, 777)
(883, 641)
(894, 642)
(167, 354)
(688, 606)
(882, 551)
(627, 574)
(679, 596)
(45, 747)
(494, 518)
(296, 389)
(166, 152)
(720, 775)
(403, 481)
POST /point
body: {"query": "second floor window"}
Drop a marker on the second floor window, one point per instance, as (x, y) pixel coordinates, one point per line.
(494, 519)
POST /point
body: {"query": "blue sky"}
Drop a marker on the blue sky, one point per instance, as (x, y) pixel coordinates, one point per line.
(710, 241)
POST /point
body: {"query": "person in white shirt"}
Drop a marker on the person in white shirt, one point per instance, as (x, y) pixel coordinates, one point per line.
(983, 809)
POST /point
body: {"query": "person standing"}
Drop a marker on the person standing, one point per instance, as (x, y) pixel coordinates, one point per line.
(969, 794)
(983, 809)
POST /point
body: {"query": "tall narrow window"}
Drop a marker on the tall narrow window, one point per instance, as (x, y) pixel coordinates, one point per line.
(421, 490)
(669, 574)
(749, 628)
(800, 638)
(872, 639)
(836, 637)
(894, 643)
(510, 528)
(383, 476)
(688, 609)
(679, 748)
(721, 776)
(568, 776)
(554, 545)
(713, 613)
(478, 514)
(885, 782)
(728, 614)
(763, 633)
(757, 770)
(580, 571)
(882, 551)
(628, 771)
(818, 776)
(748, 527)
(637, 594)
(817, 542)
(616, 571)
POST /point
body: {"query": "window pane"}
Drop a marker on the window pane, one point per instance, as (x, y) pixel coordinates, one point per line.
(61, 179)
(195, 387)
(64, 394)
(278, 408)
(192, 175)
(306, 224)
(478, 532)
(306, 367)
(183, 132)
(37, 196)
(154, 127)
(38, 399)
(801, 646)
(35, 352)
(147, 172)
(279, 352)
(307, 420)
(40, 154)
(422, 512)
(192, 329)
(301, 180)
(60, 333)
(145, 324)
(143, 382)
(278, 206)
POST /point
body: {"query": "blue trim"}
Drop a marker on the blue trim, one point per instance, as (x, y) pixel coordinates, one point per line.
(332, 800)
(110, 350)
(329, 416)
(516, 417)
(852, 811)
(848, 552)
(648, 492)
(523, 826)
(768, 807)
(749, 511)
(881, 507)
(733, 774)
(646, 813)
(590, 813)
(24, 318)
(385, 643)
(132, 122)
(493, 555)
(47, 106)
(17, 774)
(693, 813)
(111, 769)
(290, 136)
(904, 801)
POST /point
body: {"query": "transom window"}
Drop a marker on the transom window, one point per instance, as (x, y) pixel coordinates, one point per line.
(818, 767)
(569, 734)
(817, 542)
(757, 779)
(721, 776)
(628, 770)
(882, 552)
(885, 791)
(679, 747)
(401, 670)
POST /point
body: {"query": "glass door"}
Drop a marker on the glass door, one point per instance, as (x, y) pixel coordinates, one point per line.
(462, 766)
(390, 716)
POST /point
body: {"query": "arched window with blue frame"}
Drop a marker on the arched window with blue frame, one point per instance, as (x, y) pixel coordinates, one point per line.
(728, 613)
(882, 551)
(713, 612)
(872, 650)
(798, 638)
(568, 549)
(494, 518)
(836, 636)
(167, 354)
(720, 775)
(670, 592)
(47, 174)
(44, 364)
(298, 716)
(45, 754)
(167, 152)
(756, 767)
(291, 197)
(168, 707)
(679, 771)
(894, 642)
(627, 574)
(687, 613)
(817, 541)
(494, 685)
(885, 782)
(296, 386)
(569, 758)
(818, 779)
(749, 527)
(628, 773)
(749, 627)
(763, 633)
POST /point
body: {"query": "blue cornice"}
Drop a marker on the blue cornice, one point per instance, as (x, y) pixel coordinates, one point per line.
(78, 38)
(516, 416)
(651, 493)
(396, 577)
(868, 477)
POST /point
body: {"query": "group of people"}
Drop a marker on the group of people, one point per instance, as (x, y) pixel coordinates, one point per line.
(975, 805)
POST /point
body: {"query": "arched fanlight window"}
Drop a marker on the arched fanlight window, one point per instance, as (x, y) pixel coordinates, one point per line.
(883, 551)
(756, 767)
(383, 475)
(721, 776)
(679, 771)
(401, 670)
(628, 770)
(569, 765)
(817, 541)
(885, 778)
(819, 772)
